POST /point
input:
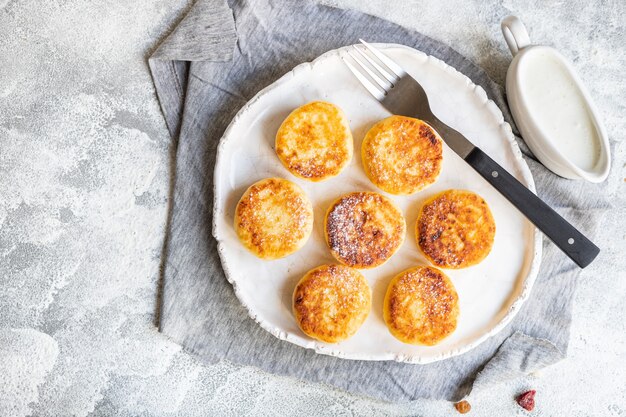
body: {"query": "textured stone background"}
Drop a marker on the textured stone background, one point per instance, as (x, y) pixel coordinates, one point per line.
(83, 187)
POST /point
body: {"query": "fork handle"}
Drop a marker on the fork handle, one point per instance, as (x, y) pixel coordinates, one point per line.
(575, 245)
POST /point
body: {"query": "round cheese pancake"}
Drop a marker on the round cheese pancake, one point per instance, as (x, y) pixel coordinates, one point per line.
(421, 306)
(402, 155)
(314, 142)
(364, 229)
(331, 302)
(274, 218)
(455, 229)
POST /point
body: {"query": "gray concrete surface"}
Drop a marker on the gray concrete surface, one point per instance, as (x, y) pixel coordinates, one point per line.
(83, 186)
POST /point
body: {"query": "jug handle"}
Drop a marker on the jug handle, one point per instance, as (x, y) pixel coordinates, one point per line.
(515, 34)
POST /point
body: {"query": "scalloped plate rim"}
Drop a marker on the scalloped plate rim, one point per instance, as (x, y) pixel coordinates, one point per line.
(326, 349)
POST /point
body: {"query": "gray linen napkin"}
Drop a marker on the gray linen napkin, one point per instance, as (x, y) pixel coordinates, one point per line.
(204, 72)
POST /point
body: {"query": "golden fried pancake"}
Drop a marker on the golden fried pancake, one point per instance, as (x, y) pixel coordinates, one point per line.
(364, 229)
(331, 302)
(402, 155)
(274, 218)
(421, 306)
(314, 142)
(455, 229)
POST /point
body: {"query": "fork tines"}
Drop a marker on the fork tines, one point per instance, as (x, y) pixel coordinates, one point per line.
(375, 71)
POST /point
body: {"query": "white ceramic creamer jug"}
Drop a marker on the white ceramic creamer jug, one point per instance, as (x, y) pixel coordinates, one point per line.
(553, 110)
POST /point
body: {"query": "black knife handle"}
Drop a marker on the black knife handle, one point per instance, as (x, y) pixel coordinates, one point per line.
(580, 249)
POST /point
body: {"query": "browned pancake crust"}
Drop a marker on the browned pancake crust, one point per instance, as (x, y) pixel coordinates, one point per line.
(402, 155)
(331, 302)
(314, 142)
(274, 218)
(364, 229)
(455, 229)
(421, 306)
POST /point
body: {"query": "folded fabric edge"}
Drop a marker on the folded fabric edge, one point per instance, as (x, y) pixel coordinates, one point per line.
(206, 33)
(170, 92)
(519, 355)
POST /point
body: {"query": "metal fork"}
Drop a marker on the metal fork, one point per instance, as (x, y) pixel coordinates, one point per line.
(401, 94)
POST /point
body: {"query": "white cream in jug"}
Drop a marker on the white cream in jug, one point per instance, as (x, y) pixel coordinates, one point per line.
(559, 108)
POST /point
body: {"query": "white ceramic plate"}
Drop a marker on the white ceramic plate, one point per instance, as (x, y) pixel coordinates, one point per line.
(490, 294)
